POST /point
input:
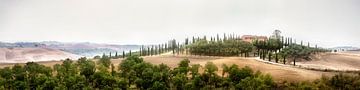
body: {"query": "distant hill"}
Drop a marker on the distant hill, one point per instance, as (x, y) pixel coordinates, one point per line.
(23, 55)
(345, 48)
(83, 49)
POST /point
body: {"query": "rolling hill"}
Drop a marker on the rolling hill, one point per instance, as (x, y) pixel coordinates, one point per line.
(79, 48)
(23, 55)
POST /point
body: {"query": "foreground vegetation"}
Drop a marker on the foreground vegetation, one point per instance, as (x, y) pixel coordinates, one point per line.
(134, 73)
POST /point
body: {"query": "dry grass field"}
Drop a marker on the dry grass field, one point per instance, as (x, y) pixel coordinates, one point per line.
(334, 61)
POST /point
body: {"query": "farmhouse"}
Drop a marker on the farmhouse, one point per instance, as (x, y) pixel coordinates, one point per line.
(251, 38)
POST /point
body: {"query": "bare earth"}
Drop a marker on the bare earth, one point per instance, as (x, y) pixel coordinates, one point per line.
(335, 61)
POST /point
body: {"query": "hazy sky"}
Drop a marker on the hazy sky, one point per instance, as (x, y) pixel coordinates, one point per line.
(324, 22)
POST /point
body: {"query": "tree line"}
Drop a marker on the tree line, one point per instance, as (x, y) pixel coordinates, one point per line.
(150, 50)
(230, 47)
(135, 73)
(280, 48)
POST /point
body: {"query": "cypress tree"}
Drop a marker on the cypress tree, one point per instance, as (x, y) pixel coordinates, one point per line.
(110, 55)
(286, 41)
(282, 42)
(224, 39)
(290, 41)
(155, 51)
(166, 47)
(149, 52)
(173, 50)
(294, 62)
(144, 51)
(230, 37)
(123, 54)
(152, 50)
(140, 52)
(269, 49)
(178, 48)
(130, 53)
(159, 49)
(205, 38)
(284, 61)
(316, 48)
(116, 55)
(276, 57)
(162, 48)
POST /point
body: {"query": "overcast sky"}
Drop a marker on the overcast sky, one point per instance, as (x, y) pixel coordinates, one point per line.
(325, 22)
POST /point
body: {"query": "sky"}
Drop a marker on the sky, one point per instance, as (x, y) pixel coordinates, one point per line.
(327, 23)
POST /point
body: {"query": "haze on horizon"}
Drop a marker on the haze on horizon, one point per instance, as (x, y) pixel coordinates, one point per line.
(327, 23)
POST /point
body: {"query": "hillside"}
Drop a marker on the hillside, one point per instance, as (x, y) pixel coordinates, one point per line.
(23, 55)
(79, 48)
(334, 61)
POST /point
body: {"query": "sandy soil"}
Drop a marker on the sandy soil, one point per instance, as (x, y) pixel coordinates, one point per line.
(334, 61)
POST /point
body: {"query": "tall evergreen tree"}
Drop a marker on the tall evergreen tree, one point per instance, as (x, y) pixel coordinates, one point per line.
(116, 54)
(123, 54)
(152, 50)
(155, 51)
(149, 51)
(130, 53)
(159, 49)
(110, 55)
(140, 53)
(166, 47)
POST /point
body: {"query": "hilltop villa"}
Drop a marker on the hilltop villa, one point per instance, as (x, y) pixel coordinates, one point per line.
(251, 38)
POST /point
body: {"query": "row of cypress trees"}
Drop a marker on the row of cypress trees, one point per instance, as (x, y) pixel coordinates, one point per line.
(272, 48)
(276, 48)
(181, 48)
